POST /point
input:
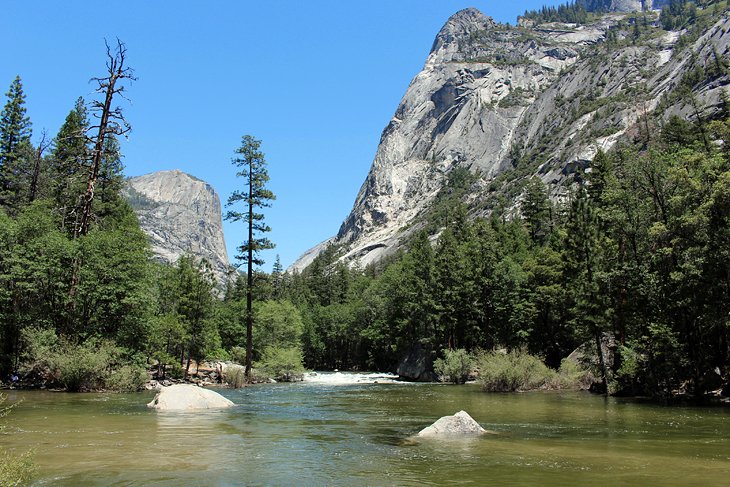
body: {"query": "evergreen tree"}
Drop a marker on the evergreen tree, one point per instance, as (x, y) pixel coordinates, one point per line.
(536, 210)
(69, 164)
(277, 278)
(195, 308)
(252, 166)
(15, 133)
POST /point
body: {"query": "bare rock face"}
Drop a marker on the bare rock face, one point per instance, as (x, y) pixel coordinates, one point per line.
(181, 215)
(187, 397)
(460, 424)
(493, 97)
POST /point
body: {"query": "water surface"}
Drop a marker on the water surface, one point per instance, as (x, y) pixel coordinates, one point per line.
(346, 432)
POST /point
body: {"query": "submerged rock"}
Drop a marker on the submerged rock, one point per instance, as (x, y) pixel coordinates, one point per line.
(460, 424)
(185, 397)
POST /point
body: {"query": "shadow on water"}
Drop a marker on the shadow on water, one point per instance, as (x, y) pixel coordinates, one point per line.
(362, 434)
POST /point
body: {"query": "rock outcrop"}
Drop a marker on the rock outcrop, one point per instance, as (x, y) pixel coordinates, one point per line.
(543, 98)
(417, 365)
(181, 214)
(187, 397)
(460, 424)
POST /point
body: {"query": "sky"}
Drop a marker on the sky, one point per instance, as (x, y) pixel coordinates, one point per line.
(315, 81)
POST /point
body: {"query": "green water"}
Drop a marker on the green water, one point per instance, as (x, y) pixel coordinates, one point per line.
(324, 434)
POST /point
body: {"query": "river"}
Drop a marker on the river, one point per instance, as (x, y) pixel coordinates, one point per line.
(340, 429)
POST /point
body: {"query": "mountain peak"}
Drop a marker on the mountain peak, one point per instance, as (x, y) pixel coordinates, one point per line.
(461, 25)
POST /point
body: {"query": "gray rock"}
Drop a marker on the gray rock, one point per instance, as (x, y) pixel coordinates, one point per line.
(181, 214)
(416, 365)
(490, 94)
(187, 397)
(460, 424)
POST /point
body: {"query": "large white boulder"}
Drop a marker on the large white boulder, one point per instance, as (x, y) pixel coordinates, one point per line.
(186, 397)
(460, 424)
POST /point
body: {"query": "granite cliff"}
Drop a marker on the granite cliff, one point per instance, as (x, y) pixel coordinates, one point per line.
(537, 99)
(180, 214)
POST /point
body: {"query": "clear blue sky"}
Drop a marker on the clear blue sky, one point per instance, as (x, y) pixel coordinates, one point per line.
(316, 81)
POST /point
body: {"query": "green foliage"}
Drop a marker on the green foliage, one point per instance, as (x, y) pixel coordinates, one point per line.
(91, 365)
(277, 323)
(282, 363)
(570, 12)
(15, 470)
(255, 196)
(16, 151)
(127, 378)
(252, 168)
(512, 371)
(455, 366)
(235, 376)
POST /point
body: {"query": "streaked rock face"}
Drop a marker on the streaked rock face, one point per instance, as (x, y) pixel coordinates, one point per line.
(180, 214)
(490, 95)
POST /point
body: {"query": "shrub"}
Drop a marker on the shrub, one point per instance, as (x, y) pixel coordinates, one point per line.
(14, 469)
(512, 371)
(128, 378)
(235, 376)
(282, 363)
(93, 364)
(572, 376)
(455, 366)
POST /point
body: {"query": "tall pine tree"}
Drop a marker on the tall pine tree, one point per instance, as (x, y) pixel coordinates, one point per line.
(15, 133)
(252, 164)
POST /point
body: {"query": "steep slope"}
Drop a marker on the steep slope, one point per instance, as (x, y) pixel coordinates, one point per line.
(180, 214)
(511, 102)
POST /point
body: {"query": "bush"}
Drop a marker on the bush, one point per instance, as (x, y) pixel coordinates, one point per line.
(455, 366)
(572, 376)
(129, 378)
(234, 376)
(14, 469)
(282, 363)
(513, 371)
(91, 365)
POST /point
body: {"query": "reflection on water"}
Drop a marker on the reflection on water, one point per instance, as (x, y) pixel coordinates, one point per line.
(334, 433)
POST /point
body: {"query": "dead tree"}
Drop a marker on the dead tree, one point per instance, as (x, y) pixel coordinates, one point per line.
(43, 145)
(111, 121)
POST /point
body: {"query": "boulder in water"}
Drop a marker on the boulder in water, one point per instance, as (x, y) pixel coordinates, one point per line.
(417, 365)
(460, 424)
(186, 397)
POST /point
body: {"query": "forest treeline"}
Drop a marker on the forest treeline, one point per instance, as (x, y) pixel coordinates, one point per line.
(640, 249)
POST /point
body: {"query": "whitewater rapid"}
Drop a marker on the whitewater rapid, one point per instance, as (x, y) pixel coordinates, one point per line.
(344, 378)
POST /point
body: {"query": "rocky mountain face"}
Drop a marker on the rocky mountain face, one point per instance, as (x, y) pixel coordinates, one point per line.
(511, 102)
(180, 214)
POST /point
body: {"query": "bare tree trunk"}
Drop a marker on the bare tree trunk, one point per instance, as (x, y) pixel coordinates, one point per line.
(111, 121)
(602, 363)
(117, 71)
(42, 146)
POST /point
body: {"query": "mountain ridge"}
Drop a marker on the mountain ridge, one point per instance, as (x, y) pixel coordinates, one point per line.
(514, 102)
(181, 214)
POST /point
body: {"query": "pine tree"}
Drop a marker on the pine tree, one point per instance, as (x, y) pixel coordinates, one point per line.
(252, 164)
(536, 212)
(15, 133)
(69, 164)
(277, 277)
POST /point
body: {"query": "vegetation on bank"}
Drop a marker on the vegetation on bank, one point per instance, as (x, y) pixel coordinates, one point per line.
(15, 468)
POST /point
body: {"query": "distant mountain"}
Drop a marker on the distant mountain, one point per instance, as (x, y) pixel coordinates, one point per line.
(506, 103)
(181, 214)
